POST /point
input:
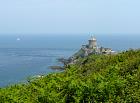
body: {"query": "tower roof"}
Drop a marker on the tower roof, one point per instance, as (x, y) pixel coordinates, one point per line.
(92, 38)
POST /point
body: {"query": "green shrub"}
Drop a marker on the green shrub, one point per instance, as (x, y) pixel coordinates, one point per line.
(96, 78)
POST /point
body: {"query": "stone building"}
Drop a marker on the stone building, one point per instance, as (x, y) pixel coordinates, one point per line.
(92, 48)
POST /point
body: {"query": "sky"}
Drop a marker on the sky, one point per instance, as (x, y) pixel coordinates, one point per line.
(69, 17)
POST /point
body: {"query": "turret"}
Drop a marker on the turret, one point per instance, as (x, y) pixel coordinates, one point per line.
(92, 43)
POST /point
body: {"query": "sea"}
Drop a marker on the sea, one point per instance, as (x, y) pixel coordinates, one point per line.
(24, 56)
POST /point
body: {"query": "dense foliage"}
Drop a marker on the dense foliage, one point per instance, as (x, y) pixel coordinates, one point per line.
(97, 78)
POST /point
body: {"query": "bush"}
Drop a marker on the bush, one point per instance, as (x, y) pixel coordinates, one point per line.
(97, 78)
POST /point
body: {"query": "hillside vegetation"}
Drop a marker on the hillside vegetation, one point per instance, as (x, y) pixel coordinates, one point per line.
(94, 79)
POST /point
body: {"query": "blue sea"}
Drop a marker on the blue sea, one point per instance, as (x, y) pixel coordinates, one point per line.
(23, 56)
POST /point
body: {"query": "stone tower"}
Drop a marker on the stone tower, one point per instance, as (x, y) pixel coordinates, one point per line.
(92, 43)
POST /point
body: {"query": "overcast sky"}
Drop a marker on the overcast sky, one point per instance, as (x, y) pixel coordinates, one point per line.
(69, 16)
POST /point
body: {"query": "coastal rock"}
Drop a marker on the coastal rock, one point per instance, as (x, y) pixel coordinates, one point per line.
(56, 67)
